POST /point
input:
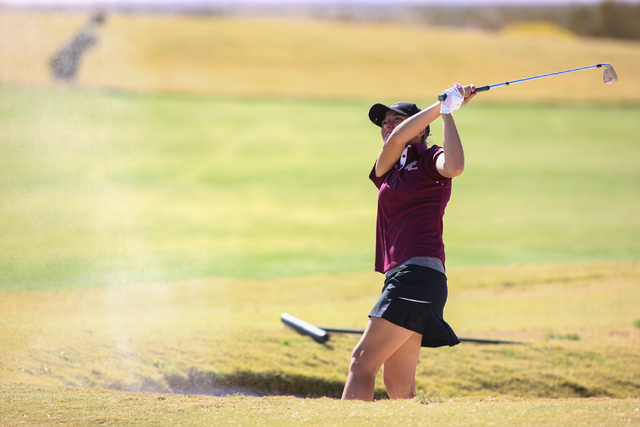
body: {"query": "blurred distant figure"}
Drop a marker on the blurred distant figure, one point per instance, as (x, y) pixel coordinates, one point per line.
(64, 64)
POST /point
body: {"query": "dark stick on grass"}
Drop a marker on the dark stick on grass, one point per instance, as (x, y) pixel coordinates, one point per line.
(321, 335)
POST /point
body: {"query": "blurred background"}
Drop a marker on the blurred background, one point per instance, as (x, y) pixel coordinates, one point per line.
(176, 174)
(235, 48)
(156, 141)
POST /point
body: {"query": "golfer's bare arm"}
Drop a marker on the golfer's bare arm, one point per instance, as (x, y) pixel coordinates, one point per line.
(451, 162)
(401, 135)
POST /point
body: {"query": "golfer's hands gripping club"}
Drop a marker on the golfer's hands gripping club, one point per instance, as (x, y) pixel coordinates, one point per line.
(455, 97)
(472, 91)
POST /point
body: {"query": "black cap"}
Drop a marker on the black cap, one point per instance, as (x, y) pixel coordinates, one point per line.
(379, 111)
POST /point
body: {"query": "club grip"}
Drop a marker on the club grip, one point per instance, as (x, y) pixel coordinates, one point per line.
(443, 96)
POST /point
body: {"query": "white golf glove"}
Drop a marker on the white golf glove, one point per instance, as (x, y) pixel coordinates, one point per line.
(454, 99)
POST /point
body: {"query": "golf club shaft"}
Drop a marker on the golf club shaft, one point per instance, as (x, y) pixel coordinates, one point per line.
(473, 340)
(485, 88)
(321, 335)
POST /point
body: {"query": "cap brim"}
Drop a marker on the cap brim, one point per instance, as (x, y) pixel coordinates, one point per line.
(377, 114)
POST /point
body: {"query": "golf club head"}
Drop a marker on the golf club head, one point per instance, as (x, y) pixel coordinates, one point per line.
(609, 76)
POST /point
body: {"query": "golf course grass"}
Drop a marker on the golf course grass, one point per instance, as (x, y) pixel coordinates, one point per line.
(98, 407)
(158, 216)
(320, 60)
(217, 337)
(110, 189)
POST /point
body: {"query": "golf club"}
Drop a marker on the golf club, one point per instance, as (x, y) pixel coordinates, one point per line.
(321, 335)
(304, 328)
(609, 77)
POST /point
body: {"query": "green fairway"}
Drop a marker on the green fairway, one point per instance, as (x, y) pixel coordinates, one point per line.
(107, 189)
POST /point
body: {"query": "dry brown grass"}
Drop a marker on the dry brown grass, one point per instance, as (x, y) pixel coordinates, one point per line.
(25, 405)
(199, 335)
(232, 57)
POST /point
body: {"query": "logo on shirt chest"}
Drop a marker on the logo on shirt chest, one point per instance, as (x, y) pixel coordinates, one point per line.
(412, 166)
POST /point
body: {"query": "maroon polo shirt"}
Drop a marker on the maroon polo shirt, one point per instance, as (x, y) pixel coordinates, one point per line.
(411, 202)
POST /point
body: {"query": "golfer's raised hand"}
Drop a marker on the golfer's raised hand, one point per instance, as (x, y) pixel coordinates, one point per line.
(453, 98)
(469, 92)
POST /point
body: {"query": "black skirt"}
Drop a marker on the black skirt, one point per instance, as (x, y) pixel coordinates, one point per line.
(413, 297)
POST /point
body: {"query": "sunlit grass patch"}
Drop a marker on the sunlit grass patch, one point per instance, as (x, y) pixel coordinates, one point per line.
(557, 336)
(538, 29)
(212, 335)
(46, 405)
(102, 189)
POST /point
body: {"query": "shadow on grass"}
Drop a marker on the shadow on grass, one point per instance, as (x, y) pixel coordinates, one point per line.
(543, 386)
(248, 383)
(256, 384)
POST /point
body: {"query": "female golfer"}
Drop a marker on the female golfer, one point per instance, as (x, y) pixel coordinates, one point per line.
(414, 183)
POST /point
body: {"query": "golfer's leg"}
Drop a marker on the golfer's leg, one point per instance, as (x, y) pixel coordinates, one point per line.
(399, 371)
(380, 340)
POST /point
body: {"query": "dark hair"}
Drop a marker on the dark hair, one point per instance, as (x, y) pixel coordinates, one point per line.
(427, 134)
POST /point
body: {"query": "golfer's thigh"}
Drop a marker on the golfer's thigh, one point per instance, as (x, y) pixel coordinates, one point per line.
(402, 363)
